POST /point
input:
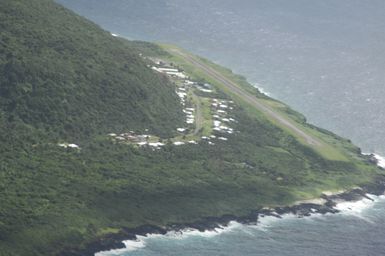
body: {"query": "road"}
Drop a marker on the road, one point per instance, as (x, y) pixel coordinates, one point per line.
(198, 115)
(254, 101)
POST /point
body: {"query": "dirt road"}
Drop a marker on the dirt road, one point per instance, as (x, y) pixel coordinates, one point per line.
(198, 115)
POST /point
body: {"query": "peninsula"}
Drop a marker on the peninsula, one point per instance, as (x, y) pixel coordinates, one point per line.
(103, 138)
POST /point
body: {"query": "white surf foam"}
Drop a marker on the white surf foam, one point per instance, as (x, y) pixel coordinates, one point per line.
(208, 233)
(265, 222)
(132, 245)
(258, 86)
(380, 159)
(357, 206)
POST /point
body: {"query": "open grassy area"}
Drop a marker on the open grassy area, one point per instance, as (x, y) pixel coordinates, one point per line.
(207, 124)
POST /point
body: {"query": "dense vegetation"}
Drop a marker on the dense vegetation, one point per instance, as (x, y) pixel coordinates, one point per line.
(64, 75)
(63, 78)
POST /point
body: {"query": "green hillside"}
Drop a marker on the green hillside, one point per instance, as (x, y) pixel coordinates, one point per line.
(63, 79)
(67, 77)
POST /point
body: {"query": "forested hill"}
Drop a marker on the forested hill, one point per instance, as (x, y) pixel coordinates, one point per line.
(65, 76)
(64, 80)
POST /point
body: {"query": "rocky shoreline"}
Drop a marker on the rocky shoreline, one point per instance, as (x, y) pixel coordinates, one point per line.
(325, 204)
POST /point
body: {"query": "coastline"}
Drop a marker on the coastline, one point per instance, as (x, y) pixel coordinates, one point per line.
(327, 203)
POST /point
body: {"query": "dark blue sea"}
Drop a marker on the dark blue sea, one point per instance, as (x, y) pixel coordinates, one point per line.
(324, 58)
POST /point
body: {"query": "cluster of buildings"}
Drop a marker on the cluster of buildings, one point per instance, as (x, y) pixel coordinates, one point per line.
(132, 138)
(219, 108)
(207, 88)
(182, 92)
(179, 143)
(69, 145)
(189, 111)
(221, 118)
(173, 72)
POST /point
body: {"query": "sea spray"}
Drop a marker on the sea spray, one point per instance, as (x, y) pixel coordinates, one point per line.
(261, 89)
(140, 242)
(130, 245)
(380, 160)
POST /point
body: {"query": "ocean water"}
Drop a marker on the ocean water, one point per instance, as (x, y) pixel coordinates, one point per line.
(357, 231)
(324, 58)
